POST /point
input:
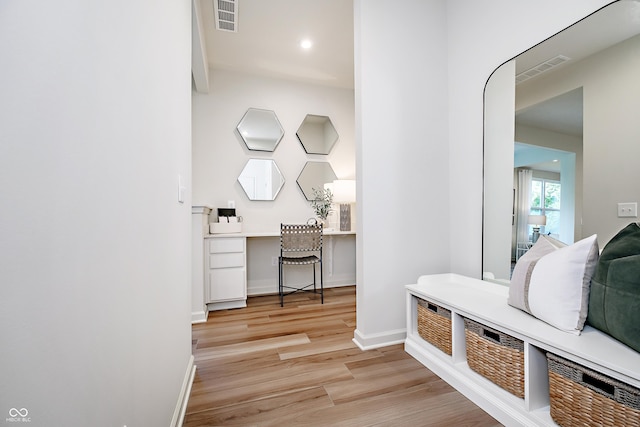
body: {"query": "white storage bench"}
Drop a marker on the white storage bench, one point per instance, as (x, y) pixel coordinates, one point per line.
(486, 303)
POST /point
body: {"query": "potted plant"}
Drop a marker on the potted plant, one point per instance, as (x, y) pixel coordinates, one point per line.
(321, 203)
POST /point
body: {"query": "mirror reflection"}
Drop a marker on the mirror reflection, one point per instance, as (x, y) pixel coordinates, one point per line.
(317, 134)
(315, 175)
(261, 179)
(567, 151)
(260, 129)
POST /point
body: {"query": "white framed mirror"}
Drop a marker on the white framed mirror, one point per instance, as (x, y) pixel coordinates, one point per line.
(570, 99)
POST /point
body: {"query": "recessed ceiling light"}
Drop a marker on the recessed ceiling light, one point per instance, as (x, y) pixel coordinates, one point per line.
(306, 44)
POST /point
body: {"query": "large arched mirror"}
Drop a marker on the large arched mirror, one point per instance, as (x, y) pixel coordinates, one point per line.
(260, 129)
(566, 111)
(315, 175)
(261, 179)
(317, 134)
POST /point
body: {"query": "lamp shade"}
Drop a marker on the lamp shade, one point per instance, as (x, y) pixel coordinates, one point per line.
(537, 220)
(344, 191)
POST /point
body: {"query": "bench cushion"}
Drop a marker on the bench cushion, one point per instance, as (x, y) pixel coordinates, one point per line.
(614, 303)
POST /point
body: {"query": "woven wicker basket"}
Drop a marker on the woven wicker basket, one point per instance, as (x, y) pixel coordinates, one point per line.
(496, 356)
(581, 396)
(434, 325)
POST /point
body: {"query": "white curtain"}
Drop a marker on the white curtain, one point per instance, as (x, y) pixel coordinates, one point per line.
(524, 205)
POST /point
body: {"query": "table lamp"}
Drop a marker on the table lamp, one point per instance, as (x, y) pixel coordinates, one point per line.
(537, 221)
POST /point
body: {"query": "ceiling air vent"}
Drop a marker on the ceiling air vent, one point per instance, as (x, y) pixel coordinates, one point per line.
(226, 14)
(541, 68)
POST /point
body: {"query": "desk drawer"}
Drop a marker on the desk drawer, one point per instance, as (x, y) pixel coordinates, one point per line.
(226, 260)
(226, 244)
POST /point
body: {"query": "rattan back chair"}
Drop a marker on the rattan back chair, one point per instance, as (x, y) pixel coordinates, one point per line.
(300, 244)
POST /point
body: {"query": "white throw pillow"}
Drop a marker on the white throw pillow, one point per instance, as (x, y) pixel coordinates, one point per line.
(560, 283)
(521, 276)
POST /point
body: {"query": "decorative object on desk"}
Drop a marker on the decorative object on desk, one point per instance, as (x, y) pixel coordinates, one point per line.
(321, 203)
(614, 302)
(537, 221)
(227, 222)
(344, 193)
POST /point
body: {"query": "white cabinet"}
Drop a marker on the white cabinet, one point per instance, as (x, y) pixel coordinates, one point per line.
(225, 272)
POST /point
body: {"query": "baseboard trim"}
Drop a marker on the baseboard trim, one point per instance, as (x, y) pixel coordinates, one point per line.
(382, 339)
(185, 392)
(257, 288)
(213, 306)
(198, 317)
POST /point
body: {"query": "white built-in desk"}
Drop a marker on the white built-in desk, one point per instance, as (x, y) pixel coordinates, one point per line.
(240, 264)
(276, 233)
(486, 303)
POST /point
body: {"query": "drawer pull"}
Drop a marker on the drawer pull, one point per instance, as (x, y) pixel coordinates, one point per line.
(603, 386)
(432, 307)
(492, 335)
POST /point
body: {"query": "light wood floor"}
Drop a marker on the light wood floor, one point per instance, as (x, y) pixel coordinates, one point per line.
(270, 366)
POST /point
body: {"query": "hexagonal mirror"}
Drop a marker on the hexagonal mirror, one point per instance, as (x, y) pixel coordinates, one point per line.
(315, 175)
(261, 179)
(317, 134)
(260, 129)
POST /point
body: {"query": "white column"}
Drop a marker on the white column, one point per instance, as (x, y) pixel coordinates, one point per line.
(199, 228)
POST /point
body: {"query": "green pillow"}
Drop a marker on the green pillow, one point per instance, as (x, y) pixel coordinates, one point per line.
(614, 301)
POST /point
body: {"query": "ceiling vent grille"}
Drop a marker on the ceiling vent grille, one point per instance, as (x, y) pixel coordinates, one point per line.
(226, 14)
(541, 68)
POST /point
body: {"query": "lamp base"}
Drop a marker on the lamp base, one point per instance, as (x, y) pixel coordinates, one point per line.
(345, 217)
(536, 234)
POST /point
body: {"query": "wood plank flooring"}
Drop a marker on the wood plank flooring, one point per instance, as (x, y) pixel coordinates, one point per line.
(267, 365)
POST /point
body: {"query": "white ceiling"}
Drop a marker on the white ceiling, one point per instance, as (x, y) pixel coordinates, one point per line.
(599, 31)
(268, 35)
(269, 32)
(562, 114)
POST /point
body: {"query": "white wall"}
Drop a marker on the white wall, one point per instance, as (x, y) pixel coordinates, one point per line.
(401, 133)
(611, 133)
(419, 84)
(95, 249)
(219, 155)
